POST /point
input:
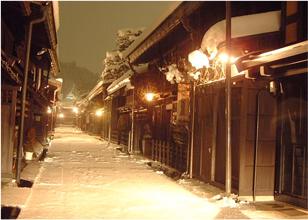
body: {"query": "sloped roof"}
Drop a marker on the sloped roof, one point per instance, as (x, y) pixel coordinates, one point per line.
(170, 19)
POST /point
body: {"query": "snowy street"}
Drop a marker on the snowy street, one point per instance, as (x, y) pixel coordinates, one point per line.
(83, 177)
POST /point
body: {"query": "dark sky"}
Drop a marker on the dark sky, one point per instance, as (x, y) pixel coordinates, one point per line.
(89, 28)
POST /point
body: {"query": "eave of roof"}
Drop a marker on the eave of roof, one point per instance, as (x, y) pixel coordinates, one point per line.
(170, 19)
(49, 27)
(287, 58)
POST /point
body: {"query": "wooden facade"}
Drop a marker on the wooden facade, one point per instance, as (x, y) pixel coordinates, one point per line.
(209, 155)
(291, 170)
(185, 128)
(263, 168)
(8, 132)
(40, 92)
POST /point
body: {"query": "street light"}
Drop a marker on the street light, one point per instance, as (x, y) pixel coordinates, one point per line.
(149, 96)
(99, 112)
(48, 110)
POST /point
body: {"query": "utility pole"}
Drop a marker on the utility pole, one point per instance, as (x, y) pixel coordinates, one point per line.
(228, 100)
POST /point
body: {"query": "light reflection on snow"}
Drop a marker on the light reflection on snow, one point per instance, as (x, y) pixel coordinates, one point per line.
(106, 186)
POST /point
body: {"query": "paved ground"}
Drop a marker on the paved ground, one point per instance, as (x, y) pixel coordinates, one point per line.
(83, 177)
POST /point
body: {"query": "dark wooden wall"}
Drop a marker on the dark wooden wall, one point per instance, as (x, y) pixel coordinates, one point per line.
(8, 118)
(210, 142)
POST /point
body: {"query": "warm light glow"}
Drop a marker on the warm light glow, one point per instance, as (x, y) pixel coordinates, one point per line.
(60, 79)
(61, 115)
(223, 57)
(75, 110)
(233, 59)
(48, 110)
(196, 76)
(149, 96)
(198, 59)
(99, 112)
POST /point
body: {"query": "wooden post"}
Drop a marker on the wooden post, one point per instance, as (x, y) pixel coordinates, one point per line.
(168, 154)
(153, 150)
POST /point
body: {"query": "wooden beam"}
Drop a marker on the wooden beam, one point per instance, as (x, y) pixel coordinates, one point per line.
(25, 8)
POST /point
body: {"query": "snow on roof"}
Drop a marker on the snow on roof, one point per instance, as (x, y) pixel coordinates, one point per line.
(55, 82)
(172, 6)
(96, 90)
(124, 31)
(240, 26)
(287, 55)
(111, 55)
(124, 80)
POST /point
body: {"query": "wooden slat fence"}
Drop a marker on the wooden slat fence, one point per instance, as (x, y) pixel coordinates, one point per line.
(124, 138)
(170, 154)
(114, 136)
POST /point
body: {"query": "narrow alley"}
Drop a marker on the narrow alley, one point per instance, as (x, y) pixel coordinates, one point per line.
(83, 177)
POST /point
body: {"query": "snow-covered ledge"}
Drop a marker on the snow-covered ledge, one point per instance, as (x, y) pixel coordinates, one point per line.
(240, 26)
(125, 79)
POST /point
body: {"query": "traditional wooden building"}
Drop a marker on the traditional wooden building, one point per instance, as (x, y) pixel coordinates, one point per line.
(89, 111)
(28, 55)
(285, 71)
(269, 108)
(133, 121)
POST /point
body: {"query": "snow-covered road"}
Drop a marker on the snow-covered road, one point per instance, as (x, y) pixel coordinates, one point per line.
(82, 177)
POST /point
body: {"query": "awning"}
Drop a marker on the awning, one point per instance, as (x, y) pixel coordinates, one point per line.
(288, 60)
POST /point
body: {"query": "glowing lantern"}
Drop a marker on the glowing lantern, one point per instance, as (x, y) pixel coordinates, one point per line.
(48, 110)
(99, 112)
(224, 57)
(149, 96)
(198, 59)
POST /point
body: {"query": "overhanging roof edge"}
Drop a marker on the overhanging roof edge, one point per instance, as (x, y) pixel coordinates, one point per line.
(164, 27)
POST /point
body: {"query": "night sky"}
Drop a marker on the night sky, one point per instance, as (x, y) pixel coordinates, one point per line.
(89, 28)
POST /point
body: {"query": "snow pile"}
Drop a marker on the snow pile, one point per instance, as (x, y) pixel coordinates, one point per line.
(48, 159)
(240, 26)
(126, 36)
(224, 201)
(173, 74)
(115, 64)
(125, 79)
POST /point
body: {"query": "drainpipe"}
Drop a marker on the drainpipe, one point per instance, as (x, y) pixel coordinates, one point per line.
(24, 93)
(256, 146)
(192, 130)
